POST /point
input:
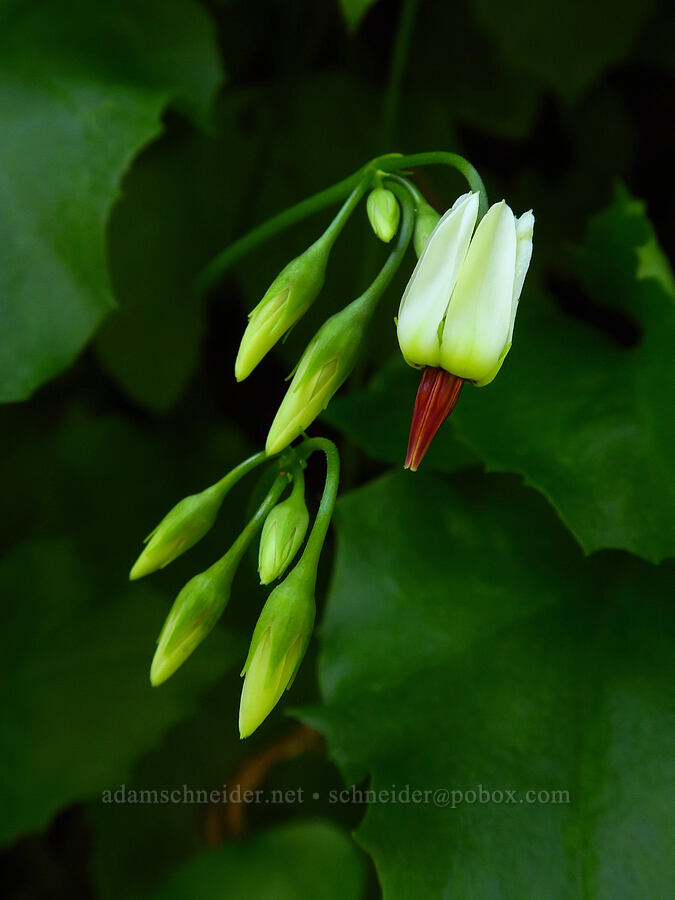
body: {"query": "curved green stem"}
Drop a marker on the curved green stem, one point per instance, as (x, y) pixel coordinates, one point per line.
(442, 157)
(342, 217)
(317, 537)
(228, 481)
(417, 195)
(253, 525)
(298, 489)
(353, 188)
(390, 162)
(368, 300)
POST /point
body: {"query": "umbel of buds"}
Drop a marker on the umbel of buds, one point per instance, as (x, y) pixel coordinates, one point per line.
(455, 322)
(285, 626)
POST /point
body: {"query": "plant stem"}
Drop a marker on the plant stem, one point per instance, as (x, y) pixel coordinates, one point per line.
(391, 162)
(382, 280)
(331, 233)
(298, 490)
(214, 270)
(228, 481)
(442, 157)
(412, 188)
(254, 524)
(315, 542)
(398, 61)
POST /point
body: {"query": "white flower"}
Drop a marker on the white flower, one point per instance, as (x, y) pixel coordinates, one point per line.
(459, 307)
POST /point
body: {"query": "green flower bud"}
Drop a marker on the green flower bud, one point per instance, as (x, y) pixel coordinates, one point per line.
(195, 611)
(283, 533)
(327, 361)
(425, 221)
(180, 529)
(278, 645)
(384, 213)
(287, 299)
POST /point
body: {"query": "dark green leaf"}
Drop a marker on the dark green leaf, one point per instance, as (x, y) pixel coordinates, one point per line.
(196, 756)
(180, 204)
(77, 703)
(80, 638)
(565, 46)
(309, 859)
(468, 646)
(588, 423)
(82, 89)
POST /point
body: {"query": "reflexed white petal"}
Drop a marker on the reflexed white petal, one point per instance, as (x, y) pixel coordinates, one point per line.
(524, 232)
(428, 292)
(479, 315)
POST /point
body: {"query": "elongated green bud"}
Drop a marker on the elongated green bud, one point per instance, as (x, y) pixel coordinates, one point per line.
(425, 221)
(278, 645)
(283, 533)
(201, 602)
(328, 360)
(188, 522)
(180, 529)
(195, 611)
(384, 213)
(287, 299)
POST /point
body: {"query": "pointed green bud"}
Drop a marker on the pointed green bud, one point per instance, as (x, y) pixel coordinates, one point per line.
(278, 645)
(180, 529)
(327, 361)
(287, 299)
(283, 533)
(195, 611)
(384, 213)
(425, 221)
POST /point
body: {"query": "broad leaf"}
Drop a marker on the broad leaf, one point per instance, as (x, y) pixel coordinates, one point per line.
(82, 89)
(309, 859)
(79, 709)
(77, 703)
(180, 204)
(564, 46)
(469, 647)
(587, 422)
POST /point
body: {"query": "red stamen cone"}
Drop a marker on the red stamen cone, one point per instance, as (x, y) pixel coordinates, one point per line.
(436, 398)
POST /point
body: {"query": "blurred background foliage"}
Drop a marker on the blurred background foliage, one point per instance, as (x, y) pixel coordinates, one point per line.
(500, 618)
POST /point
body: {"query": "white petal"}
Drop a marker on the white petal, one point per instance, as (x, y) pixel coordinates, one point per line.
(426, 297)
(524, 232)
(478, 318)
